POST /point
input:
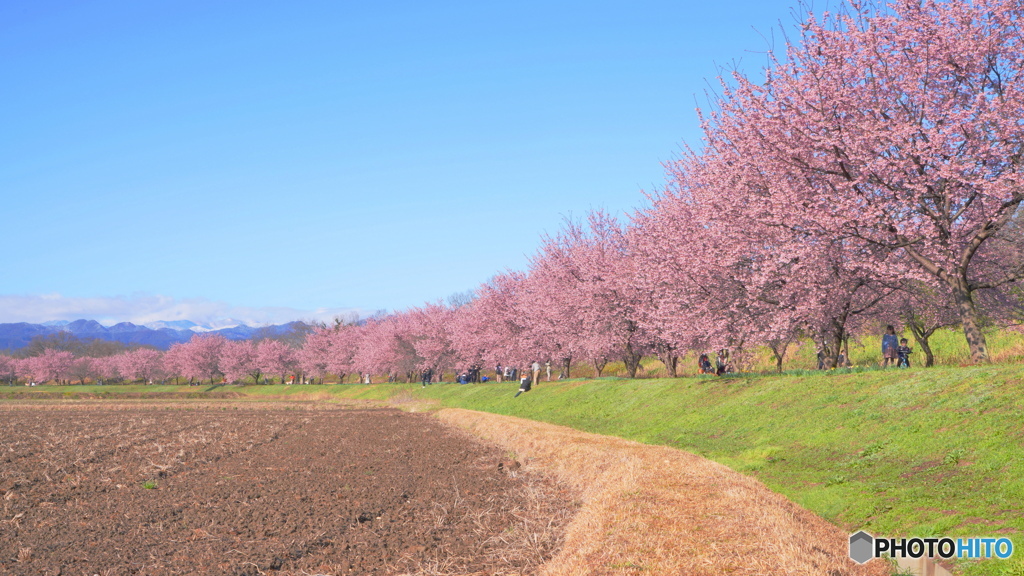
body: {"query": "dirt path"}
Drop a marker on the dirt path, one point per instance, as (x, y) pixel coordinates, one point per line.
(243, 490)
(654, 510)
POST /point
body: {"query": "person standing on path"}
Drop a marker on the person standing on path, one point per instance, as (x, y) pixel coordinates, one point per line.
(889, 345)
(536, 370)
(547, 366)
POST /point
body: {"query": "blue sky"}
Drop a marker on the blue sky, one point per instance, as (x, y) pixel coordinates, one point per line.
(275, 161)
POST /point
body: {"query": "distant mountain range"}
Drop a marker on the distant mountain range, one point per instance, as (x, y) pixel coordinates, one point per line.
(159, 334)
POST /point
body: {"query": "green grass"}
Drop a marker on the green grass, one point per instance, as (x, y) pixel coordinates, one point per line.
(918, 452)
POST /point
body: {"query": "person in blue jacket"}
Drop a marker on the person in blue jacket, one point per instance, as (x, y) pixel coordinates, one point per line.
(889, 345)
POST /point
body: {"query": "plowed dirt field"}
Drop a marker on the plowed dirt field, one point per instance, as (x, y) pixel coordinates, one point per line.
(243, 490)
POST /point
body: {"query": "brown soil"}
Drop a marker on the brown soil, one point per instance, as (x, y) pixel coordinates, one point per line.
(245, 491)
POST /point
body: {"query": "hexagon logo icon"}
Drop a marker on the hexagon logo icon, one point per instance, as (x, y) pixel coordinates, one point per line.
(861, 545)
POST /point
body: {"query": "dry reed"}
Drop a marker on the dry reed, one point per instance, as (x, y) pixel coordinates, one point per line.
(656, 510)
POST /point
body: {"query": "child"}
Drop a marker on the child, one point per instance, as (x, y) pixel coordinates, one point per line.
(903, 354)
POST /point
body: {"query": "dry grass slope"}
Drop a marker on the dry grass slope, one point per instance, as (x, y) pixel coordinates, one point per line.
(655, 510)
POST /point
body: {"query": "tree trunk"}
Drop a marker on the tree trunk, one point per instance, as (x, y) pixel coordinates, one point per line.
(922, 340)
(779, 351)
(834, 342)
(566, 363)
(921, 336)
(599, 365)
(836, 347)
(969, 319)
(670, 361)
(632, 360)
(929, 357)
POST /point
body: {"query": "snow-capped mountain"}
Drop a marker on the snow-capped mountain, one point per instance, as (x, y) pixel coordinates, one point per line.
(173, 325)
(161, 334)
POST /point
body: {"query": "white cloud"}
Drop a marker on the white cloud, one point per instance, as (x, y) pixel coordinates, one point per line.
(143, 309)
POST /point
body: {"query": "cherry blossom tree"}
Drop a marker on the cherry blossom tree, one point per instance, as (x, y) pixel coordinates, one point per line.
(344, 342)
(8, 369)
(677, 270)
(642, 276)
(898, 127)
(385, 347)
(494, 327)
(237, 359)
(174, 362)
(729, 273)
(108, 367)
(586, 273)
(83, 368)
(430, 329)
(140, 364)
(276, 357)
(196, 359)
(51, 365)
(314, 356)
(711, 272)
(24, 369)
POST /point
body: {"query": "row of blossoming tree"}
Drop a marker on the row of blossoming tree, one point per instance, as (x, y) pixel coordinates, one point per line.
(872, 176)
(210, 358)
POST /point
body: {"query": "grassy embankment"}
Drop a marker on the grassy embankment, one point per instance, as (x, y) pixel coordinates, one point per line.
(918, 452)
